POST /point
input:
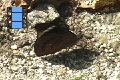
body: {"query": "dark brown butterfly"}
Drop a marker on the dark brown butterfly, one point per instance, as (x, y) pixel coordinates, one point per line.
(53, 39)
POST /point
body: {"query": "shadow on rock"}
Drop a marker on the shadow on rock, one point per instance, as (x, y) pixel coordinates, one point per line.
(76, 59)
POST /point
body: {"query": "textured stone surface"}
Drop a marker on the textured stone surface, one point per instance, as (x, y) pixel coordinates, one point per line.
(43, 13)
(96, 3)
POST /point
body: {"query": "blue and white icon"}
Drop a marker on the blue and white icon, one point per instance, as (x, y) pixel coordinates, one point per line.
(15, 17)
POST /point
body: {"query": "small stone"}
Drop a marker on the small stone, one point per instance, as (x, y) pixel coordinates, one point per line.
(14, 46)
(15, 38)
(49, 64)
(0, 19)
(62, 71)
(32, 53)
(103, 27)
(111, 54)
(23, 61)
(116, 47)
(14, 61)
(87, 2)
(104, 45)
(49, 71)
(14, 68)
(111, 50)
(40, 71)
(88, 35)
(102, 38)
(69, 71)
(42, 66)
(97, 44)
(35, 67)
(106, 50)
(15, 51)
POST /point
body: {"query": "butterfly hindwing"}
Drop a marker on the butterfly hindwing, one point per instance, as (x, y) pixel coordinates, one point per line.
(54, 40)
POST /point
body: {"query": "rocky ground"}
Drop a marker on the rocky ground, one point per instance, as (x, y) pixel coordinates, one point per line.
(95, 57)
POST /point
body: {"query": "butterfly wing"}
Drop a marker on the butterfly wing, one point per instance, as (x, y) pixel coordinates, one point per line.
(54, 40)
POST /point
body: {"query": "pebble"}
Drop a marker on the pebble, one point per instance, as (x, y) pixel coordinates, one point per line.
(15, 38)
(14, 46)
(62, 71)
(40, 71)
(69, 71)
(32, 53)
(14, 60)
(111, 54)
(15, 51)
(104, 45)
(14, 68)
(97, 44)
(111, 50)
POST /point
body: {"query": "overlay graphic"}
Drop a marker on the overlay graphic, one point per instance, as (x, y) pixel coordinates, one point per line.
(16, 17)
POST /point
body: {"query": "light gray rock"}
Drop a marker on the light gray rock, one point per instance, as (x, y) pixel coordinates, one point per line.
(43, 13)
(14, 68)
(14, 46)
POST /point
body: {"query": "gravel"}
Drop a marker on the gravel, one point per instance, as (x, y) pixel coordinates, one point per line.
(99, 59)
